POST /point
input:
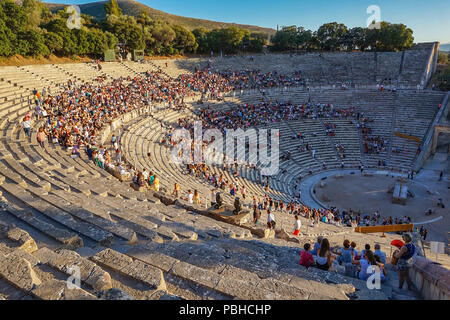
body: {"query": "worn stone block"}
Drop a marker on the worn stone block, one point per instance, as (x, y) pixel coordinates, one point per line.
(18, 272)
(161, 261)
(90, 273)
(195, 274)
(58, 290)
(26, 242)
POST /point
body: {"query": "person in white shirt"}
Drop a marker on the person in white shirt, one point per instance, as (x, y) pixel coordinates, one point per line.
(101, 159)
(297, 225)
(190, 197)
(213, 197)
(145, 174)
(270, 220)
(26, 124)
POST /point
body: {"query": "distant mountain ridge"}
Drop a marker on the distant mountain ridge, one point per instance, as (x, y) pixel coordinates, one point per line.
(134, 8)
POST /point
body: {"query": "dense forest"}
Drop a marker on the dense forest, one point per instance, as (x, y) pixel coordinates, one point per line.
(30, 29)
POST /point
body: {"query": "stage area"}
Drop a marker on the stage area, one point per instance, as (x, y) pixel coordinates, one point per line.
(370, 193)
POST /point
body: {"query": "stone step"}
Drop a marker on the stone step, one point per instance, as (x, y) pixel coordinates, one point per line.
(54, 213)
(66, 237)
(135, 269)
(20, 267)
(66, 260)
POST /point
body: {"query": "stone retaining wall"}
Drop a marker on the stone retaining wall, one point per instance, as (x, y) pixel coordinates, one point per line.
(428, 139)
(431, 65)
(431, 279)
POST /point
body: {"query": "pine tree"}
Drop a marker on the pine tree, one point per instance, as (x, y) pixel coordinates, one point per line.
(112, 7)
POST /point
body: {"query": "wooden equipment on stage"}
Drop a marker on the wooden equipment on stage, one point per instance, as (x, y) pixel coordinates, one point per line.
(386, 228)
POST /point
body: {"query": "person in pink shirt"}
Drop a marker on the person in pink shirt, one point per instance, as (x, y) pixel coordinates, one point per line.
(306, 258)
(41, 137)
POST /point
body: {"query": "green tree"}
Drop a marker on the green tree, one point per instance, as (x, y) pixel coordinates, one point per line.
(7, 37)
(14, 16)
(143, 18)
(305, 37)
(184, 40)
(395, 37)
(127, 31)
(330, 35)
(70, 40)
(98, 42)
(31, 43)
(34, 10)
(161, 38)
(83, 44)
(112, 7)
(201, 36)
(53, 42)
(228, 40)
(354, 38)
(256, 41)
(286, 39)
(111, 40)
(390, 37)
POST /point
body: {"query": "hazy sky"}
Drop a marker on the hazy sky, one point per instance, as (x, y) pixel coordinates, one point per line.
(430, 20)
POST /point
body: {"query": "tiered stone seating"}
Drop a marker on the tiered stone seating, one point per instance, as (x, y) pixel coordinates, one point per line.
(379, 107)
(414, 64)
(157, 271)
(415, 113)
(138, 68)
(129, 243)
(175, 67)
(48, 74)
(83, 72)
(388, 67)
(350, 68)
(116, 70)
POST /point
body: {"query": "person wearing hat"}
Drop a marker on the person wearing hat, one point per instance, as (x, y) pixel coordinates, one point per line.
(404, 256)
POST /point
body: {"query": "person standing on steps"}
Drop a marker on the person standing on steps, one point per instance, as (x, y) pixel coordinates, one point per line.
(26, 125)
(404, 256)
(196, 198)
(270, 219)
(243, 192)
(297, 225)
(256, 214)
(155, 185)
(190, 197)
(424, 234)
(176, 190)
(41, 136)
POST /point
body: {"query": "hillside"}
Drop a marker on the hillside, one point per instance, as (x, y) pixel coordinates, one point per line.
(133, 8)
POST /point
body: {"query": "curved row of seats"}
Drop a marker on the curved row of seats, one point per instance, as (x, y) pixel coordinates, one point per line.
(118, 231)
(325, 68)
